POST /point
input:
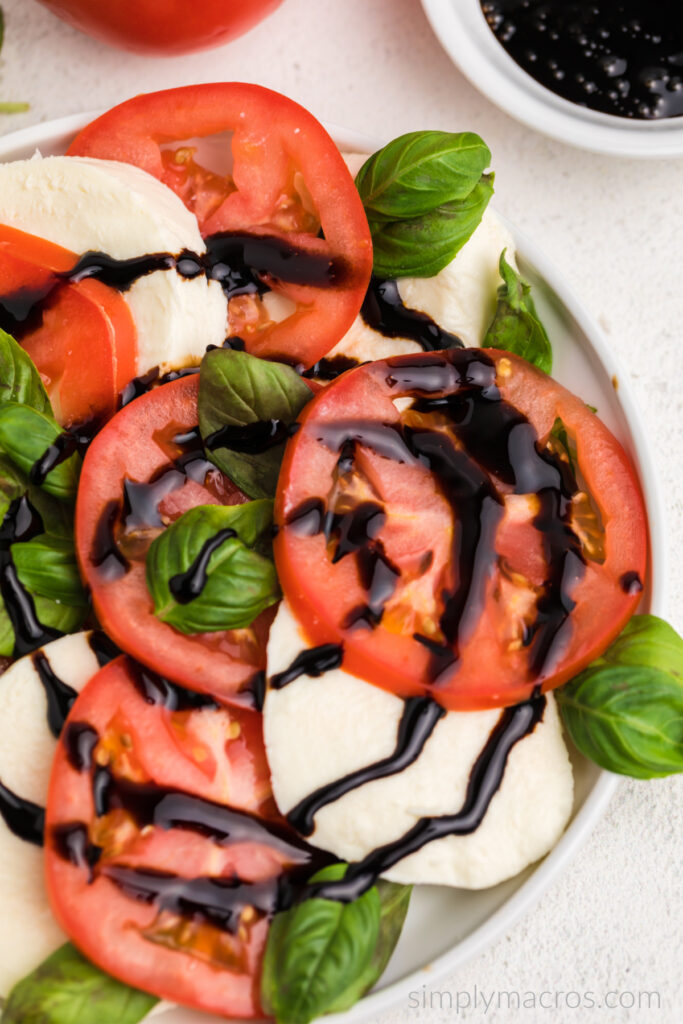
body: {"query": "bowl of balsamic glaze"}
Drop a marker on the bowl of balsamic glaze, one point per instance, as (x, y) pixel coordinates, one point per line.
(605, 75)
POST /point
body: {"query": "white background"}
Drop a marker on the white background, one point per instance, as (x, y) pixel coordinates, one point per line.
(615, 227)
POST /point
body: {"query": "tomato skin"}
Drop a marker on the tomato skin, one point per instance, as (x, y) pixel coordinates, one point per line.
(275, 141)
(85, 346)
(218, 663)
(163, 26)
(491, 671)
(216, 754)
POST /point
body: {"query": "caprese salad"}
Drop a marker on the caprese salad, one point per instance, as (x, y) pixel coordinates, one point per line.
(304, 560)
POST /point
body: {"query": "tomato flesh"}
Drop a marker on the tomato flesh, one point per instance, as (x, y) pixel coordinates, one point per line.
(84, 343)
(438, 572)
(161, 864)
(288, 181)
(137, 445)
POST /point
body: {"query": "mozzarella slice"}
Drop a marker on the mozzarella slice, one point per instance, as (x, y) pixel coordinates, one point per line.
(84, 204)
(318, 730)
(29, 932)
(461, 298)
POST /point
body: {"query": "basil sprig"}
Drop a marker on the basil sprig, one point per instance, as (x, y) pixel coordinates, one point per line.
(67, 989)
(515, 326)
(236, 390)
(322, 955)
(25, 435)
(424, 194)
(19, 380)
(203, 572)
(625, 711)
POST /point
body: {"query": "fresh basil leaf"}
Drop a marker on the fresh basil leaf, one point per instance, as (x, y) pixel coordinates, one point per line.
(316, 950)
(68, 989)
(235, 390)
(57, 517)
(209, 551)
(47, 566)
(625, 711)
(515, 326)
(420, 171)
(394, 902)
(19, 380)
(25, 435)
(422, 246)
(63, 618)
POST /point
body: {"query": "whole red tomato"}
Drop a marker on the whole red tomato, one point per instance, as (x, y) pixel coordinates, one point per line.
(163, 26)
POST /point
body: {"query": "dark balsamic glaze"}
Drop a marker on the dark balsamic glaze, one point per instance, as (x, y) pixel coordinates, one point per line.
(383, 310)
(163, 693)
(252, 438)
(104, 649)
(420, 715)
(307, 518)
(355, 529)
(485, 778)
(23, 818)
(219, 901)
(118, 274)
(631, 583)
(60, 696)
(80, 740)
(621, 57)
(71, 842)
(243, 263)
(22, 522)
(331, 367)
(105, 554)
(188, 585)
(153, 378)
(314, 661)
(61, 449)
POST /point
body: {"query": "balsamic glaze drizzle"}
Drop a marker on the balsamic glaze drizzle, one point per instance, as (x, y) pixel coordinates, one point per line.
(631, 583)
(61, 449)
(314, 661)
(60, 696)
(219, 901)
(104, 649)
(485, 778)
(188, 585)
(23, 818)
(241, 263)
(252, 438)
(420, 716)
(22, 522)
(383, 310)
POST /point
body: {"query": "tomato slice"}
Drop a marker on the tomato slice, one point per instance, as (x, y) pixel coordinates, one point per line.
(164, 849)
(135, 480)
(288, 183)
(447, 546)
(83, 339)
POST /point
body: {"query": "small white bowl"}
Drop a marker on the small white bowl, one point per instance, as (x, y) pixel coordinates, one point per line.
(462, 29)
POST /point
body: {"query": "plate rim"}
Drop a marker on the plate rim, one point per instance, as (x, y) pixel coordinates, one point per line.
(498, 77)
(606, 784)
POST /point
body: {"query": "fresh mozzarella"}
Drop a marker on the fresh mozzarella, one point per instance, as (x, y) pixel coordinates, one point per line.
(84, 204)
(461, 298)
(318, 730)
(29, 932)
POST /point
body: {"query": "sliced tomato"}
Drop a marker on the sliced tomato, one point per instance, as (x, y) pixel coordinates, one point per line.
(288, 183)
(448, 547)
(135, 454)
(81, 337)
(163, 846)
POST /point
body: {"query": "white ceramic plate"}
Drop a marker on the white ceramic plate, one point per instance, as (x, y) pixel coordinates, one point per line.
(466, 37)
(445, 927)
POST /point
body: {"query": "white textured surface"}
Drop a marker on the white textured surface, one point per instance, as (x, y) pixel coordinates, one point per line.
(612, 921)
